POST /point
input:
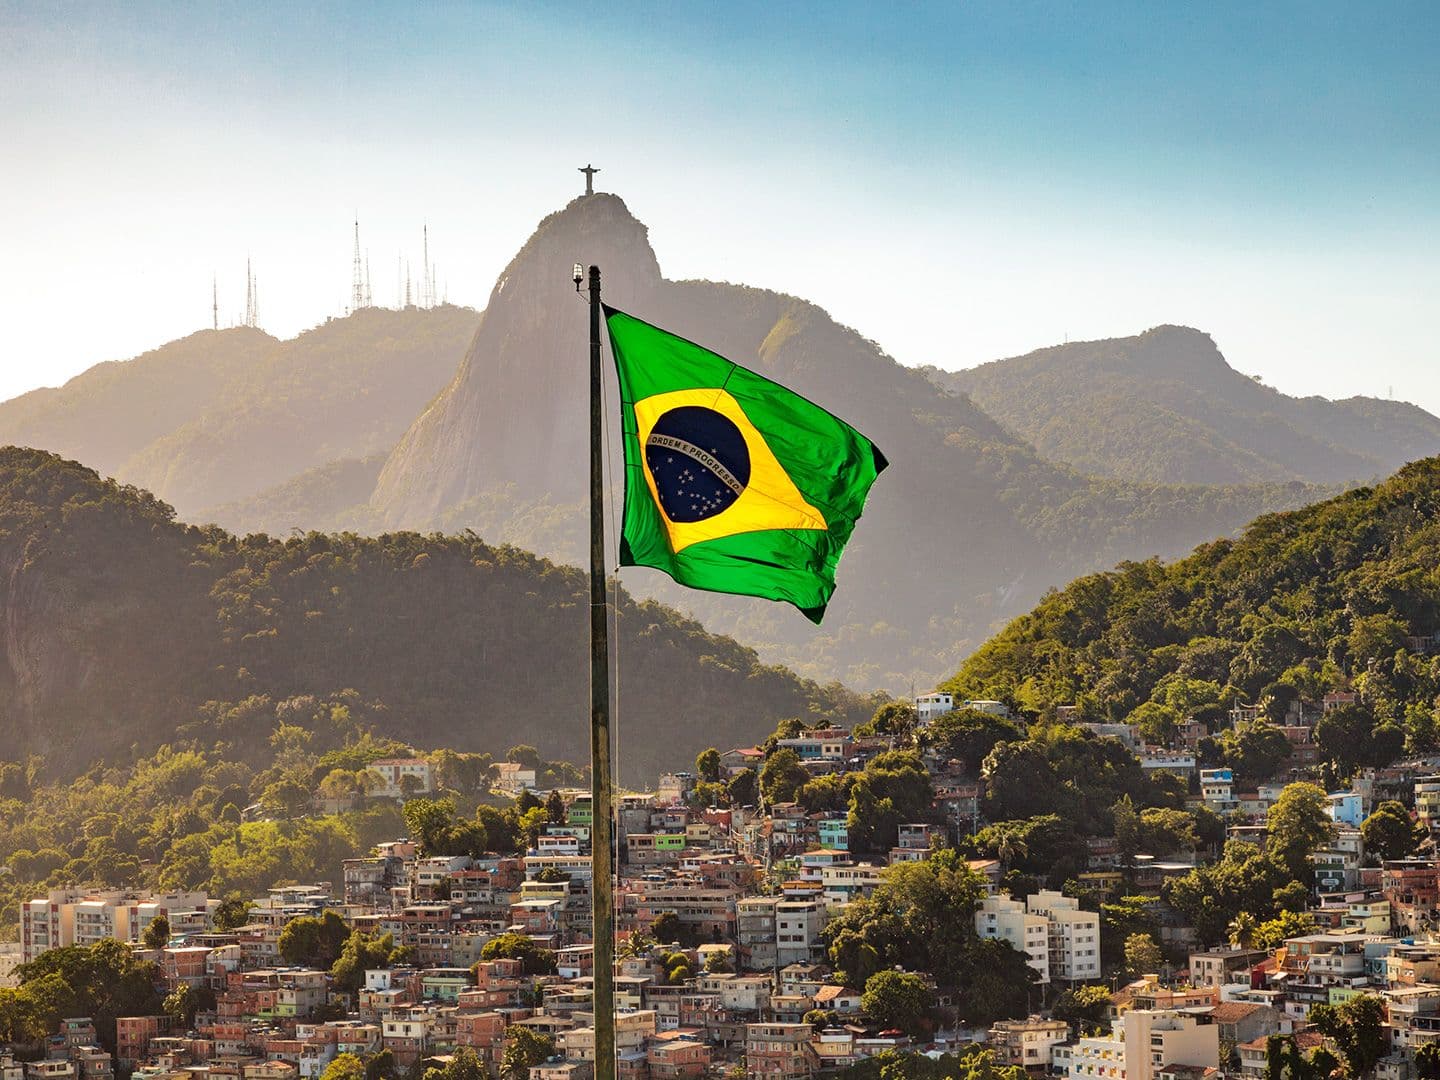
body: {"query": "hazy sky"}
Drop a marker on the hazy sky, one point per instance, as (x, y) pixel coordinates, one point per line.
(959, 181)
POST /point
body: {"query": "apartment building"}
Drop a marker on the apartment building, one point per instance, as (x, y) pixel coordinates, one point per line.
(1074, 936)
(1143, 1042)
(1003, 919)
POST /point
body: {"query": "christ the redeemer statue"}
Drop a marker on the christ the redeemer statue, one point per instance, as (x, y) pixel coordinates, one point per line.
(589, 171)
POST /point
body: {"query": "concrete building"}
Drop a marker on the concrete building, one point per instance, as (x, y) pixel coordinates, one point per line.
(1143, 1042)
(797, 931)
(82, 917)
(1027, 1043)
(1074, 936)
(930, 706)
(1003, 919)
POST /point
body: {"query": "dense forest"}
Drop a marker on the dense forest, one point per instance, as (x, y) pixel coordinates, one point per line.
(123, 626)
(1165, 407)
(1343, 595)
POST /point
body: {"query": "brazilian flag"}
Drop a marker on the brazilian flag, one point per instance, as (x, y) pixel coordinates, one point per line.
(732, 482)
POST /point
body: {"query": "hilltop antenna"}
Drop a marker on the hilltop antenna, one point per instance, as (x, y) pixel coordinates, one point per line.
(407, 284)
(369, 295)
(399, 274)
(427, 298)
(249, 294)
(357, 278)
(214, 303)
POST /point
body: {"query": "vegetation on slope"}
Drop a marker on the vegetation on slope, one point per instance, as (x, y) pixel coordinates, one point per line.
(122, 624)
(1343, 595)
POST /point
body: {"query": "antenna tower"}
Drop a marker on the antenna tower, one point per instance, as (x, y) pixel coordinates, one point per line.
(369, 296)
(214, 303)
(407, 284)
(427, 297)
(357, 278)
(252, 306)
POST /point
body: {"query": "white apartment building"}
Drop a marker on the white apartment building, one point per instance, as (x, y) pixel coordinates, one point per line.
(1004, 919)
(1142, 1042)
(930, 706)
(394, 770)
(80, 917)
(1074, 936)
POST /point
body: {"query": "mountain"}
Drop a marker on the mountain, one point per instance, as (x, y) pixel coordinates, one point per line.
(112, 411)
(221, 416)
(1342, 595)
(327, 498)
(966, 527)
(123, 627)
(1165, 407)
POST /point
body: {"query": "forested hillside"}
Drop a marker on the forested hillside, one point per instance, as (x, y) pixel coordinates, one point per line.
(1343, 595)
(1165, 407)
(123, 626)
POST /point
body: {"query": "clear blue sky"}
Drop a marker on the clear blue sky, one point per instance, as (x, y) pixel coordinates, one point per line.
(958, 181)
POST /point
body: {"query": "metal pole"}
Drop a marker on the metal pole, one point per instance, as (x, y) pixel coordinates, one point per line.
(602, 852)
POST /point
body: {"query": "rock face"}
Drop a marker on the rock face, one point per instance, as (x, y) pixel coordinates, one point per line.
(1165, 407)
(517, 411)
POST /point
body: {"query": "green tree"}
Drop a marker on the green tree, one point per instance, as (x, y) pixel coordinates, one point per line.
(921, 916)
(1296, 826)
(741, 788)
(1020, 783)
(185, 1001)
(360, 953)
(1254, 749)
(524, 755)
(1083, 1007)
(309, 941)
(1155, 722)
(1127, 833)
(535, 959)
(524, 1049)
(1389, 833)
(996, 982)
(1142, 955)
(898, 999)
(895, 718)
(345, 1066)
(1241, 931)
(707, 765)
(1357, 1027)
(1427, 1061)
(381, 1066)
(666, 928)
(782, 776)
(968, 735)
(1272, 933)
(555, 809)
(157, 933)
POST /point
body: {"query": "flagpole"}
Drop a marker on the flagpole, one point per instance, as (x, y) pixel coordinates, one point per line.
(602, 851)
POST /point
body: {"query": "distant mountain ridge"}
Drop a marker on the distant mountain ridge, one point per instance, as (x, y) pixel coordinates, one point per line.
(1165, 407)
(967, 524)
(386, 420)
(221, 416)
